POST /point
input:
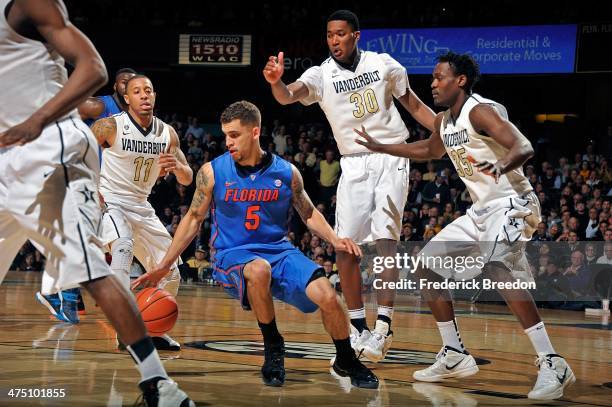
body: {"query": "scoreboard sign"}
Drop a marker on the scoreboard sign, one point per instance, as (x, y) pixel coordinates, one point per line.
(215, 50)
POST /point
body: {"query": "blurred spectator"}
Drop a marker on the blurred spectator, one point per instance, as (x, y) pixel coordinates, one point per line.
(199, 263)
(590, 254)
(430, 175)
(195, 129)
(577, 273)
(436, 192)
(329, 171)
(541, 234)
(592, 225)
(607, 256)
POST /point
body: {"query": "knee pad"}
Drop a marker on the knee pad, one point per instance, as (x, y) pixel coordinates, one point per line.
(123, 253)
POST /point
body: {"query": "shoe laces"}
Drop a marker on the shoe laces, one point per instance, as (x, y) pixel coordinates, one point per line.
(543, 361)
(547, 369)
(274, 356)
(441, 353)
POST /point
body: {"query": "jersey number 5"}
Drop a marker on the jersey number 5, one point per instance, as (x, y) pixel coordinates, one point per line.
(362, 103)
(252, 217)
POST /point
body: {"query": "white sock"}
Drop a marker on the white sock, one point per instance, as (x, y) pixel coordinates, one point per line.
(357, 313)
(449, 331)
(539, 339)
(386, 311)
(147, 359)
(47, 283)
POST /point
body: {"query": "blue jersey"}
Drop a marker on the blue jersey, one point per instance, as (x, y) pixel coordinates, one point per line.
(110, 108)
(250, 208)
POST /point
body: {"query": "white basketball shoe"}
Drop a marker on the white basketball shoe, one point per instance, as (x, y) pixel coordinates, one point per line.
(359, 340)
(554, 376)
(379, 342)
(449, 364)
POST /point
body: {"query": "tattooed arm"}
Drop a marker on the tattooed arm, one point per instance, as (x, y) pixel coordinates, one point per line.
(174, 161)
(105, 131)
(313, 219)
(187, 229)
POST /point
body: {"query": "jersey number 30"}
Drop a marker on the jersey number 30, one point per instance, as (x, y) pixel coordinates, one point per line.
(362, 103)
(252, 217)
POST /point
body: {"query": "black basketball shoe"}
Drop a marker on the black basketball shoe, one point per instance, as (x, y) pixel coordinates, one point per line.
(273, 369)
(360, 375)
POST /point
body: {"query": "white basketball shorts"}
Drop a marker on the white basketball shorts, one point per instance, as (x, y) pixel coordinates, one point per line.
(497, 232)
(48, 194)
(137, 221)
(371, 195)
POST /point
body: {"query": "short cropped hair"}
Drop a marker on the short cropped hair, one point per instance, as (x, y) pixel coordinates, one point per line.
(137, 76)
(124, 70)
(462, 64)
(245, 111)
(345, 15)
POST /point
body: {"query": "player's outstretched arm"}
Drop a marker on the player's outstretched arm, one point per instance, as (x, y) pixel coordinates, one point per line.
(187, 228)
(314, 220)
(91, 108)
(419, 110)
(51, 21)
(430, 149)
(174, 161)
(284, 94)
(105, 131)
(486, 120)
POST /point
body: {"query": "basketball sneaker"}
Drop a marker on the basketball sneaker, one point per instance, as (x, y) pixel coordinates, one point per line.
(360, 375)
(450, 363)
(554, 375)
(81, 304)
(273, 369)
(53, 303)
(379, 342)
(70, 299)
(159, 392)
(359, 340)
(165, 342)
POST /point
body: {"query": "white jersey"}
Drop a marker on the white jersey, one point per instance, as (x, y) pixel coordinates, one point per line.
(462, 141)
(130, 166)
(363, 97)
(31, 73)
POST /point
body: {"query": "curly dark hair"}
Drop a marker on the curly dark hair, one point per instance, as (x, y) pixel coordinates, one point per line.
(463, 64)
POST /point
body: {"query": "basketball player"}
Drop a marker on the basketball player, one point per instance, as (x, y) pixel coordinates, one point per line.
(67, 305)
(49, 171)
(488, 153)
(99, 107)
(251, 193)
(355, 88)
(138, 148)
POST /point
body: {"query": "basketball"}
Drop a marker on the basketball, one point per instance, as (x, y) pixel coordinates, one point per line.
(159, 310)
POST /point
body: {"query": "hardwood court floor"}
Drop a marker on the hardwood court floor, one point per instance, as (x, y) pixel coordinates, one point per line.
(221, 356)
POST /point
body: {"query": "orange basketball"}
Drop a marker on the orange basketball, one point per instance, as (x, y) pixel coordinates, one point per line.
(159, 310)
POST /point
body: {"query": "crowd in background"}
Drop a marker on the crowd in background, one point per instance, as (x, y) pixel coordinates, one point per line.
(574, 192)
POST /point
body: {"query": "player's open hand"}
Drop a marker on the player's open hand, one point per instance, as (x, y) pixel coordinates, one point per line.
(167, 163)
(150, 278)
(367, 140)
(348, 246)
(21, 134)
(488, 168)
(274, 69)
